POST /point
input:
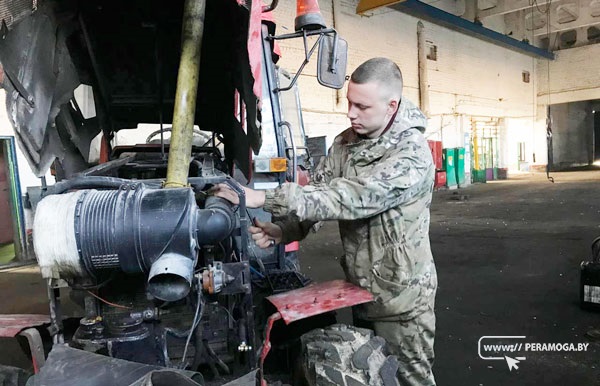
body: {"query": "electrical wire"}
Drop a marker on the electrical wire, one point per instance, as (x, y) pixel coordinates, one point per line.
(228, 312)
(223, 250)
(551, 46)
(194, 325)
(533, 86)
(107, 302)
(94, 286)
(255, 271)
(549, 115)
(534, 3)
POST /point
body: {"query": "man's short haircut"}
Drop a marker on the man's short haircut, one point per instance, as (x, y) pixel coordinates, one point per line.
(380, 70)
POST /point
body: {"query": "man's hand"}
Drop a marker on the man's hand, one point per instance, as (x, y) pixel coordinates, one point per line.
(265, 234)
(254, 198)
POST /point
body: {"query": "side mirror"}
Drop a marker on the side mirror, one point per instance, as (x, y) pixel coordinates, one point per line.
(332, 61)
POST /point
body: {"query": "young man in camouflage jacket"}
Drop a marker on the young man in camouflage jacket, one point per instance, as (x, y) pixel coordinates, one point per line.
(377, 181)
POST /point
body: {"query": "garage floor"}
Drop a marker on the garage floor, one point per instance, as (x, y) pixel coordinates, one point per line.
(508, 260)
(508, 256)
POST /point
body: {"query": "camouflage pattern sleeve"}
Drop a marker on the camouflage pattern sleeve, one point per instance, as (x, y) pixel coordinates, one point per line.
(328, 168)
(390, 182)
(292, 227)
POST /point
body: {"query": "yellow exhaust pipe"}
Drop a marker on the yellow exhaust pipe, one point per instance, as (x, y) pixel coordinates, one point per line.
(185, 97)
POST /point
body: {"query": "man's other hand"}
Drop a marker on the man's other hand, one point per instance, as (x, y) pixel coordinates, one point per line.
(254, 198)
(265, 234)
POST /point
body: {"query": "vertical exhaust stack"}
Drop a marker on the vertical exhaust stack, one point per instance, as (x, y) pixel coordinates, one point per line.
(185, 97)
(171, 275)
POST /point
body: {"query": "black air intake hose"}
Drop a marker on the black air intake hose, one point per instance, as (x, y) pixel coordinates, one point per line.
(216, 221)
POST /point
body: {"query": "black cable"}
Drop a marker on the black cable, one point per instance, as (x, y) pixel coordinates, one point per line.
(197, 318)
(223, 251)
(215, 357)
(94, 286)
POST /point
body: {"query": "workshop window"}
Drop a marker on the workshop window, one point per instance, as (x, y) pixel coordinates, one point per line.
(431, 51)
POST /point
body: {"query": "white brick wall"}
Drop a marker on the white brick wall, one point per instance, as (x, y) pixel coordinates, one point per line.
(470, 77)
(574, 76)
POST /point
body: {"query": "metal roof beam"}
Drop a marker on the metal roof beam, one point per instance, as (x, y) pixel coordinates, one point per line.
(369, 5)
(510, 6)
(434, 15)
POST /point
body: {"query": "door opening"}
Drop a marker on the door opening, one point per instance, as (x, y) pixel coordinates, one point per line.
(12, 236)
(7, 249)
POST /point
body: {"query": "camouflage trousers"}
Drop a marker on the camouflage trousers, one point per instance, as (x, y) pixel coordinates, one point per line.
(412, 343)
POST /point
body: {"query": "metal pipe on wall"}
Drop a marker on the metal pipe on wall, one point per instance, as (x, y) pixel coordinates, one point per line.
(422, 60)
(185, 96)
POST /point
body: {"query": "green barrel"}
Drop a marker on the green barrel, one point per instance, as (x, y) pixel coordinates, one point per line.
(479, 175)
(459, 160)
(449, 164)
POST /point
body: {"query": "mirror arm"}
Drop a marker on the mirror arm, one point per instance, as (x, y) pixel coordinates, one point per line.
(307, 55)
(305, 41)
(323, 31)
(269, 8)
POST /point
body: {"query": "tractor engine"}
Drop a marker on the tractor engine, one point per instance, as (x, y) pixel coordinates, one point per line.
(162, 274)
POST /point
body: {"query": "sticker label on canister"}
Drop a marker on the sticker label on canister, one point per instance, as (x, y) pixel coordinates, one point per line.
(591, 294)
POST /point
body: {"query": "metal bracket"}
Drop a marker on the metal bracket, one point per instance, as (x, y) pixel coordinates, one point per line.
(36, 346)
(307, 53)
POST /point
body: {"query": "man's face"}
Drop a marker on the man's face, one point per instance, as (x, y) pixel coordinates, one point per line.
(369, 110)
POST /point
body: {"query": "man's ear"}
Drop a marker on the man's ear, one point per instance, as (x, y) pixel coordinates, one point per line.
(393, 106)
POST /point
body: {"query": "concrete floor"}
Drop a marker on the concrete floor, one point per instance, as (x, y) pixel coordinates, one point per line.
(508, 264)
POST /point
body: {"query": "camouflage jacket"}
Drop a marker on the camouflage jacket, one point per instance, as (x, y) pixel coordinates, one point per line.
(380, 192)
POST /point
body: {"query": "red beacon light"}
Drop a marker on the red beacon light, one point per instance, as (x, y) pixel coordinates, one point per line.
(308, 15)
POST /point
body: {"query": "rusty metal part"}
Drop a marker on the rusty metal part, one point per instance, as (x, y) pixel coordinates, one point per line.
(23, 324)
(56, 321)
(36, 346)
(11, 325)
(208, 283)
(318, 298)
(185, 97)
(215, 278)
(310, 301)
(267, 345)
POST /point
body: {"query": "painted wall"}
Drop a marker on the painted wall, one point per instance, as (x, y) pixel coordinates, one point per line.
(574, 76)
(470, 78)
